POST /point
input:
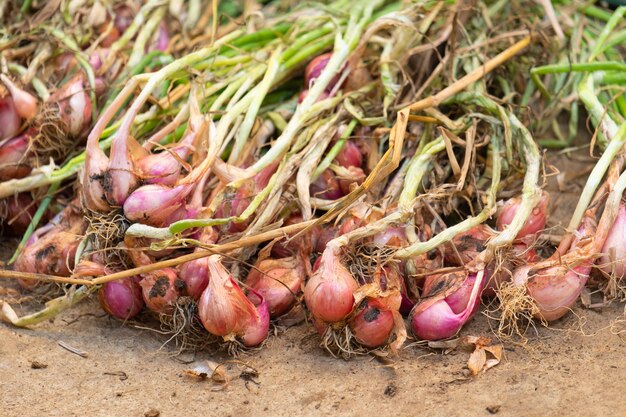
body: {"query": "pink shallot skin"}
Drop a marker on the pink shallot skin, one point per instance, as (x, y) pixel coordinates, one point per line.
(14, 161)
(225, 310)
(10, 121)
(449, 301)
(20, 209)
(329, 293)
(196, 273)
(153, 204)
(535, 222)
(74, 105)
(372, 324)
(278, 281)
(122, 299)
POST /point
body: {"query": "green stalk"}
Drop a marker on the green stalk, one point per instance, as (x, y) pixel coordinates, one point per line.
(420, 163)
(259, 93)
(334, 151)
(343, 47)
(139, 46)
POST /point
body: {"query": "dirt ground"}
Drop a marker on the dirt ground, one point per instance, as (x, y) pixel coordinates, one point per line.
(577, 367)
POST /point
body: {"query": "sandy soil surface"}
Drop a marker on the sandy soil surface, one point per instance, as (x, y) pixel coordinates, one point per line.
(577, 367)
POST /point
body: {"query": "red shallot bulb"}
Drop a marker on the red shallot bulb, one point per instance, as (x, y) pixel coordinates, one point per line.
(9, 119)
(443, 312)
(278, 281)
(534, 223)
(326, 186)
(314, 69)
(25, 103)
(350, 155)
(74, 105)
(196, 273)
(613, 259)
(372, 324)
(225, 311)
(160, 289)
(153, 204)
(122, 298)
(20, 209)
(467, 244)
(555, 289)
(161, 39)
(329, 293)
(13, 161)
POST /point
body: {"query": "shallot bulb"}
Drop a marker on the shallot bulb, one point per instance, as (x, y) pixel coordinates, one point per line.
(25, 103)
(122, 299)
(329, 294)
(13, 157)
(465, 246)
(225, 310)
(447, 305)
(161, 289)
(161, 39)
(326, 186)
(20, 209)
(74, 105)
(373, 323)
(290, 246)
(196, 273)
(554, 290)
(278, 281)
(153, 204)
(613, 259)
(534, 223)
(9, 119)
(314, 69)
(350, 155)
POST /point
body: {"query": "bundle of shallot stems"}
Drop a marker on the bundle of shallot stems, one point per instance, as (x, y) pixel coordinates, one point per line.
(368, 169)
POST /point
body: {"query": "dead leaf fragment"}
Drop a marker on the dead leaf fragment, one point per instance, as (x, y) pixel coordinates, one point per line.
(211, 371)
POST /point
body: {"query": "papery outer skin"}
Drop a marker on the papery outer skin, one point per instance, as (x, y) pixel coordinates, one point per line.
(615, 245)
(160, 289)
(468, 245)
(555, 290)
(223, 308)
(277, 280)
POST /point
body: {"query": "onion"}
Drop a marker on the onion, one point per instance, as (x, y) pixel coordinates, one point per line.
(278, 281)
(74, 105)
(226, 312)
(24, 102)
(235, 205)
(393, 237)
(153, 204)
(9, 119)
(535, 222)
(326, 186)
(447, 306)
(329, 294)
(350, 155)
(292, 246)
(20, 210)
(196, 273)
(373, 323)
(554, 289)
(613, 259)
(467, 244)
(121, 299)
(160, 289)
(321, 236)
(314, 69)
(13, 161)
(350, 176)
